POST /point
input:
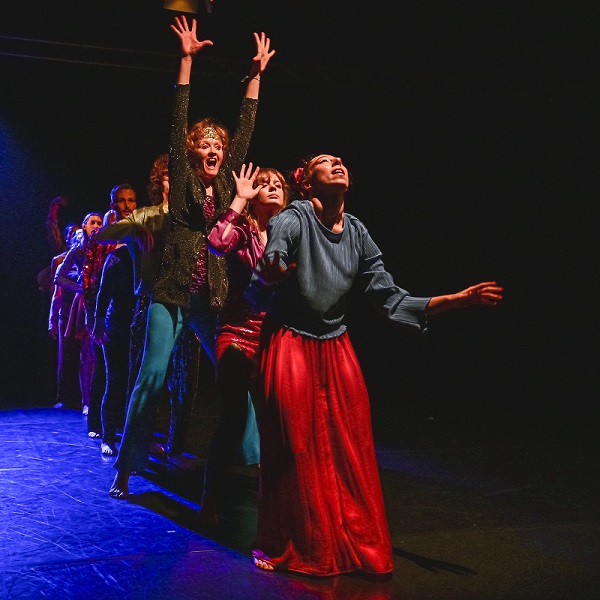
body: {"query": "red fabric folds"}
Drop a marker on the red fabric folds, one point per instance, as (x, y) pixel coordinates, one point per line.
(320, 509)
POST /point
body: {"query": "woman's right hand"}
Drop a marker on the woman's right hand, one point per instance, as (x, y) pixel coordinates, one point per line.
(244, 184)
(272, 271)
(263, 53)
(189, 42)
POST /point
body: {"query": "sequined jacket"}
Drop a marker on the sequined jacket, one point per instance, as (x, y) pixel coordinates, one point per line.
(186, 238)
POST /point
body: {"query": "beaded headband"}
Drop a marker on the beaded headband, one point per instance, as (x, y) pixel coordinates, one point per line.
(211, 132)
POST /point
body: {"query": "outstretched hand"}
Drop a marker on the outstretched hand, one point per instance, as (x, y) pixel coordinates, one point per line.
(60, 201)
(272, 271)
(263, 53)
(487, 293)
(189, 42)
(244, 184)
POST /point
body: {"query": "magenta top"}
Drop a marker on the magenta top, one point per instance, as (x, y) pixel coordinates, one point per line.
(242, 249)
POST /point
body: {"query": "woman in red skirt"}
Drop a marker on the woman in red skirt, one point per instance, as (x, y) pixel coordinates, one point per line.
(321, 509)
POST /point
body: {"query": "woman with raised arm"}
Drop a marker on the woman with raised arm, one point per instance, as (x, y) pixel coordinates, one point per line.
(240, 235)
(191, 284)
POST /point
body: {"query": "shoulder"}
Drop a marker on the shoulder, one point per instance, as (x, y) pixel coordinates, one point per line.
(354, 221)
(294, 212)
(56, 260)
(355, 224)
(299, 208)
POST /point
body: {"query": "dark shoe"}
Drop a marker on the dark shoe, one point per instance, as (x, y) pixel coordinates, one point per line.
(208, 516)
(184, 462)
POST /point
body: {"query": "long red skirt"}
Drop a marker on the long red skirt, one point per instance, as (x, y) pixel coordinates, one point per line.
(320, 507)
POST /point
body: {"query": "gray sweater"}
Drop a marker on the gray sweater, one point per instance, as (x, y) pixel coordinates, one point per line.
(312, 301)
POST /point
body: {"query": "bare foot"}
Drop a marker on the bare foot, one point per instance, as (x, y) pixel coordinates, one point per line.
(109, 449)
(265, 565)
(120, 486)
(157, 449)
(262, 561)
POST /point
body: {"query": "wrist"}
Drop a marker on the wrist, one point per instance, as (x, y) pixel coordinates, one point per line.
(256, 77)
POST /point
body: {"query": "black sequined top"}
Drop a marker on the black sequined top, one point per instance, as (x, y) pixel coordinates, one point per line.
(186, 238)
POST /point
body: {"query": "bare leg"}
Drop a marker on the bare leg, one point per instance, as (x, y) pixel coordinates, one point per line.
(120, 486)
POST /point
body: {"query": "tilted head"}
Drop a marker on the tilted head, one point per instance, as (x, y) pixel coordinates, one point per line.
(318, 172)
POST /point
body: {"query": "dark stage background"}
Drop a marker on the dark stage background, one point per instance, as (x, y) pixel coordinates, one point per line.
(470, 129)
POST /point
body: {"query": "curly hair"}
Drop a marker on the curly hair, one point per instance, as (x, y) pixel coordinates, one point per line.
(154, 188)
(196, 133)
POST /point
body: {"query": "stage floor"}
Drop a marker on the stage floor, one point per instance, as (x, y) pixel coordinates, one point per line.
(469, 520)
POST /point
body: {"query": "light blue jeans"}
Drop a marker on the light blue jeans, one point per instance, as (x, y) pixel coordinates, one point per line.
(164, 327)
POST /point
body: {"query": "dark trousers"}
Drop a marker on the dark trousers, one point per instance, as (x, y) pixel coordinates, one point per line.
(94, 419)
(114, 402)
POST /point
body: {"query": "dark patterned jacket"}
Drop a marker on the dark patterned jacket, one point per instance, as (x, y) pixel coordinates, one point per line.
(186, 238)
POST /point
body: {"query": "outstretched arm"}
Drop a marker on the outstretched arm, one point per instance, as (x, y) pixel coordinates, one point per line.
(189, 46)
(488, 293)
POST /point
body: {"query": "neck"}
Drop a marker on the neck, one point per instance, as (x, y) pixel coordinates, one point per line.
(330, 211)
(262, 218)
(207, 181)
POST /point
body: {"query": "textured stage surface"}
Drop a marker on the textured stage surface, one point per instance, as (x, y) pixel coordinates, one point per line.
(468, 521)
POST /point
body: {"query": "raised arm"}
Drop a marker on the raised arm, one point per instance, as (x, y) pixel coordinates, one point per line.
(244, 190)
(52, 227)
(227, 235)
(259, 64)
